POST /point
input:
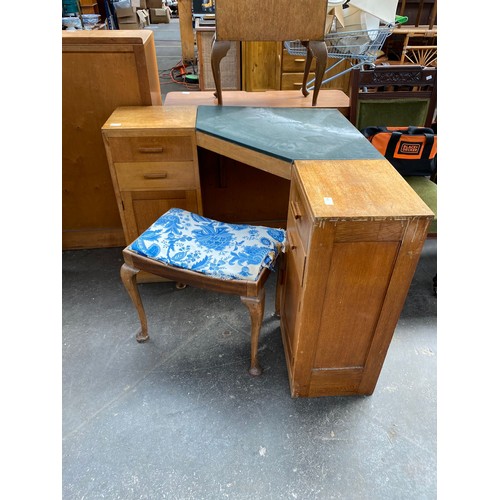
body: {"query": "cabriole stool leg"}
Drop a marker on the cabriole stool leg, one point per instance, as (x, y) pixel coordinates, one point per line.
(255, 306)
(128, 275)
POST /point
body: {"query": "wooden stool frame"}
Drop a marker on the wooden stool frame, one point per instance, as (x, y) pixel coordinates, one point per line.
(252, 294)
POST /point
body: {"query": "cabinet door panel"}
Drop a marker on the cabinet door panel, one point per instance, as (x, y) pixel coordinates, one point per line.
(142, 208)
(360, 273)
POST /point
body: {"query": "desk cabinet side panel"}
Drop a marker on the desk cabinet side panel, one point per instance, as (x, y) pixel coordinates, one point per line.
(397, 291)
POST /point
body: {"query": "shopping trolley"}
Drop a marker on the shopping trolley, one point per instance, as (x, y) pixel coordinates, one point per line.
(359, 47)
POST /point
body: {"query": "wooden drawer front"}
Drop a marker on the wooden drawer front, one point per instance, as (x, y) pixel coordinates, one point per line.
(155, 175)
(296, 253)
(294, 64)
(151, 148)
(299, 220)
(291, 81)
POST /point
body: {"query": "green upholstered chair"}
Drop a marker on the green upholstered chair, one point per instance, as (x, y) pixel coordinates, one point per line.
(393, 96)
(398, 96)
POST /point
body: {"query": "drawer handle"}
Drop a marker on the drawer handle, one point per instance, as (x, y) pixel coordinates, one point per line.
(151, 150)
(299, 60)
(296, 84)
(293, 246)
(295, 208)
(156, 175)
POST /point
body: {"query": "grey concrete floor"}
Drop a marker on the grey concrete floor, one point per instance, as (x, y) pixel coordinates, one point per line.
(179, 417)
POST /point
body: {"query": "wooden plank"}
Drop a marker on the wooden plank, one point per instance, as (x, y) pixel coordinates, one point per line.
(186, 29)
(143, 120)
(240, 153)
(359, 189)
(271, 99)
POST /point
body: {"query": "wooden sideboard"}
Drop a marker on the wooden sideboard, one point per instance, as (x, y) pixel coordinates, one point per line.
(355, 228)
(101, 70)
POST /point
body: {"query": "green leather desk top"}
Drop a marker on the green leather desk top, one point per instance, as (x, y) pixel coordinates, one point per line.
(287, 133)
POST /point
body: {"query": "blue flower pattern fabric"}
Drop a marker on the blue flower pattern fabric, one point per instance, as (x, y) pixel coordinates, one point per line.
(227, 251)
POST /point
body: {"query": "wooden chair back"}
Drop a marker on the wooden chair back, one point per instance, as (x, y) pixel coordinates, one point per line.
(264, 20)
(395, 95)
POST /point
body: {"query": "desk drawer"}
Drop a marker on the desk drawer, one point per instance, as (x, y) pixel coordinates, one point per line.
(156, 175)
(299, 220)
(291, 81)
(296, 252)
(126, 149)
(294, 64)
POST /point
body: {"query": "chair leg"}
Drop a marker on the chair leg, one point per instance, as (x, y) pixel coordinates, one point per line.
(307, 68)
(320, 52)
(255, 306)
(219, 50)
(128, 275)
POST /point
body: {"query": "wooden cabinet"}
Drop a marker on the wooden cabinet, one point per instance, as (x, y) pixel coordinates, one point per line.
(269, 66)
(153, 163)
(354, 234)
(101, 70)
(261, 66)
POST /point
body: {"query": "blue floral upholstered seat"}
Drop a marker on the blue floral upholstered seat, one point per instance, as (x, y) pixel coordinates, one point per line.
(226, 251)
(205, 253)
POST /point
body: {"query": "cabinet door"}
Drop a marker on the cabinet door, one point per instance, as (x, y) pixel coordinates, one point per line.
(261, 66)
(142, 208)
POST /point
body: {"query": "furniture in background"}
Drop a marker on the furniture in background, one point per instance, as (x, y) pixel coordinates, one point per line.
(269, 66)
(393, 96)
(355, 228)
(415, 42)
(101, 70)
(229, 67)
(185, 8)
(208, 254)
(236, 20)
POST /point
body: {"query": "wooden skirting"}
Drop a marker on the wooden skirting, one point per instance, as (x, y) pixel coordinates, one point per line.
(94, 238)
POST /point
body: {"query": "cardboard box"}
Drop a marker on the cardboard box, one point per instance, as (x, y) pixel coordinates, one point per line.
(137, 22)
(158, 16)
(124, 9)
(154, 4)
(143, 16)
(129, 23)
(139, 4)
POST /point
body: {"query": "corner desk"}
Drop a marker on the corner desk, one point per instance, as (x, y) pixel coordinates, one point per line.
(355, 228)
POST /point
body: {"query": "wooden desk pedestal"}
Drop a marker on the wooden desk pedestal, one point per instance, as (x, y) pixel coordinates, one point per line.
(349, 263)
